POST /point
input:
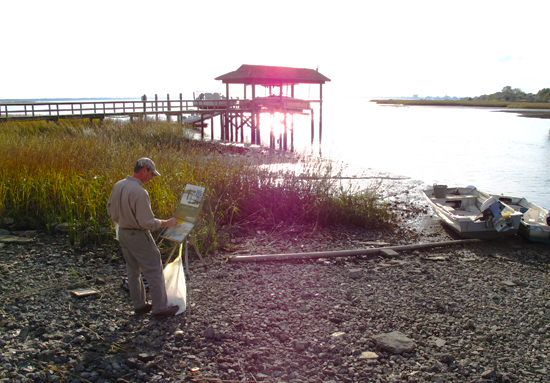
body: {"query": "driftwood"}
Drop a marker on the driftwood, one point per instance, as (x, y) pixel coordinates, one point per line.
(347, 253)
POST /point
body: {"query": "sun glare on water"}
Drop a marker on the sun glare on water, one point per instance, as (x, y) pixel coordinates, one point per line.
(274, 123)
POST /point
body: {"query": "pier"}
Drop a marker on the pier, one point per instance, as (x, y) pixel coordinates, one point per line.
(235, 115)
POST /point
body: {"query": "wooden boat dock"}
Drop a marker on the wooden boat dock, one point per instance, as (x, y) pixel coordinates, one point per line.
(235, 115)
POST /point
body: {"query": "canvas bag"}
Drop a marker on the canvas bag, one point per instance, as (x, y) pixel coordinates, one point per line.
(174, 279)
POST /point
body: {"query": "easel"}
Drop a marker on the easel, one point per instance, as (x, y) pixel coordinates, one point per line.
(190, 240)
(187, 212)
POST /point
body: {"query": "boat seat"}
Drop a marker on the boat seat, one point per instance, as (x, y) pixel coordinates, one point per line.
(468, 201)
(531, 215)
(465, 201)
(450, 209)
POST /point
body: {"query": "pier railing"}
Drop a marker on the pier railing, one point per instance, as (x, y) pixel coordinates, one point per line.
(101, 109)
(115, 108)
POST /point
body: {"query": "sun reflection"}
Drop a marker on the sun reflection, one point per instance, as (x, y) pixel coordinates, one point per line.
(274, 123)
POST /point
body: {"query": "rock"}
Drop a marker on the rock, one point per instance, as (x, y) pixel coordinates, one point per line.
(300, 346)
(178, 336)
(132, 363)
(488, 374)
(437, 258)
(14, 239)
(368, 355)
(470, 324)
(209, 333)
(354, 273)
(394, 342)
(388, 253)
(337, 318)
(62, 227)
(145, 358)
(445, 358)
(509, 283)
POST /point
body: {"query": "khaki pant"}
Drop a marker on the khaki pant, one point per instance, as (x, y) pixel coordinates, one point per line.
(142, 255)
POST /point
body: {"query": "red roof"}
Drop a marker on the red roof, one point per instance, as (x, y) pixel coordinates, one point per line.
(272, 75)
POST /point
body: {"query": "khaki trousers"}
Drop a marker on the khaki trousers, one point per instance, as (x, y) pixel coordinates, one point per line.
(142, 255)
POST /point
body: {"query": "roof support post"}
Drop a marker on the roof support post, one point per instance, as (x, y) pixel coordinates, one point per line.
(253, 115)
(312, 128)
(320, 115)
(229, 130)
(292, 133)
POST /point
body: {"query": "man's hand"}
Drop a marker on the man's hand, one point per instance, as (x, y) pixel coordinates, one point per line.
(169, 222)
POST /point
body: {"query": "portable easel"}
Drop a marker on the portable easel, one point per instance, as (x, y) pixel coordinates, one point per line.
(190, 240)
(187, 212)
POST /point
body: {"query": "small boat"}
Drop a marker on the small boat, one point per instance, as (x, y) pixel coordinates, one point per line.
(205, 100)
(471, 213)
(535, 223)
(192, 118)
(283, 102)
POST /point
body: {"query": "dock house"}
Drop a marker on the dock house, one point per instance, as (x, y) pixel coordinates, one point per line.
(249, 110)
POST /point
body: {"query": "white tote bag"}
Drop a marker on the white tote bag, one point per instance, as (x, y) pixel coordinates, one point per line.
(174, 278)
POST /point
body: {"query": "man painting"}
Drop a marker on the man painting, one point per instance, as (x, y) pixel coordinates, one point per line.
(129, 207)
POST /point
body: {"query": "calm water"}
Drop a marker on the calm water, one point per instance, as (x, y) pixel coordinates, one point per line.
(495, 151)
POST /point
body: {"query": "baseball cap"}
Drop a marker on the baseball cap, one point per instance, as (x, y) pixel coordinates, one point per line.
(147, 163)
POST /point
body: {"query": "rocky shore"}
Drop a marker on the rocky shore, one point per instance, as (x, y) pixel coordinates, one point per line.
(464, 313)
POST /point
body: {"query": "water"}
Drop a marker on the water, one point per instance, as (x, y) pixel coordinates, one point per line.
(495, 151)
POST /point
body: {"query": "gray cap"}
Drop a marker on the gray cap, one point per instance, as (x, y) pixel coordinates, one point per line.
(147, 163)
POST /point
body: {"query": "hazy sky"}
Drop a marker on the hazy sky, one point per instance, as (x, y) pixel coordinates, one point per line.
(120, 48)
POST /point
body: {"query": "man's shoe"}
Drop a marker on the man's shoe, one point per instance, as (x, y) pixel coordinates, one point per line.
(170, 311)
(144, 310)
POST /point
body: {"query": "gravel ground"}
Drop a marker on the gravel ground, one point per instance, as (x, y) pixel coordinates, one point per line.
(463, 313)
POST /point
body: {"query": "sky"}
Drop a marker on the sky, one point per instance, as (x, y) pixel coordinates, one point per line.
(119, 48)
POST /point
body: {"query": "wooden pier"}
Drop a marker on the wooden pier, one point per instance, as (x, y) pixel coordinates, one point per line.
(97, 110)
(235, 115)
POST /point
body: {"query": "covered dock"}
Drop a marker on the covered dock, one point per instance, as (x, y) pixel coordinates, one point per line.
(273, 78)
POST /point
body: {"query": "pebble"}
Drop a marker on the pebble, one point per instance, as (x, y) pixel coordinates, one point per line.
(283, 321)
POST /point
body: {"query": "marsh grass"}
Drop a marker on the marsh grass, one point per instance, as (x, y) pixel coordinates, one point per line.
(63, 173)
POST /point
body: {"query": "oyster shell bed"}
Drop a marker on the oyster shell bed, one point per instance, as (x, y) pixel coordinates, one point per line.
(469, 313)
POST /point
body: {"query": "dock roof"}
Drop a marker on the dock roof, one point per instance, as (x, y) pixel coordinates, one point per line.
(272, 75)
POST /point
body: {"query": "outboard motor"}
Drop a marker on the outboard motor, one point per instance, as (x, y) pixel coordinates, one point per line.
(491, 209)
(492, 215)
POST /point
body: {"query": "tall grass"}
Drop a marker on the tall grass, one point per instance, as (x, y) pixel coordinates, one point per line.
(53, 174)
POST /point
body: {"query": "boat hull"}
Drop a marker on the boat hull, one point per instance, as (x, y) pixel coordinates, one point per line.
(460, 210)
(283, 103)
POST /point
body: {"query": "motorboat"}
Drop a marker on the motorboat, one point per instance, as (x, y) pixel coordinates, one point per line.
(192, 118)
(205, 100)
(283, 102)
(197, 120)
(535, 223)
(472, 213)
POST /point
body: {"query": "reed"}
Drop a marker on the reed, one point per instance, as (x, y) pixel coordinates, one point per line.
(63, 173)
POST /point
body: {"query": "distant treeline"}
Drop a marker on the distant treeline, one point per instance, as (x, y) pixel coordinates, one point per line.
(514, 95)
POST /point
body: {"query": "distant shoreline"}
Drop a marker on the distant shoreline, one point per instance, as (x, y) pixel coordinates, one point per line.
(525, 109)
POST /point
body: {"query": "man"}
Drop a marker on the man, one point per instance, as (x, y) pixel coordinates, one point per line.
(129, 207)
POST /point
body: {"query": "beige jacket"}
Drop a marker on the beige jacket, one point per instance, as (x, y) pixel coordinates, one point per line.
(129, 206)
